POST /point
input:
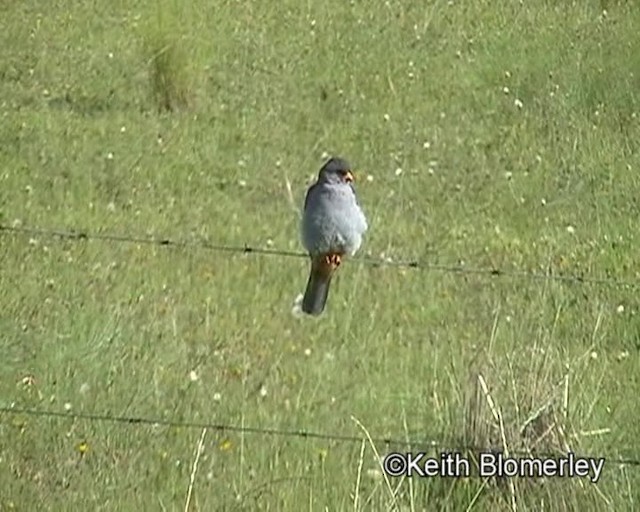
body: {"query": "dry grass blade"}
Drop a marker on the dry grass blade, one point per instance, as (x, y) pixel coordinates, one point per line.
(356, 494)
(194, 469)
(392, 493)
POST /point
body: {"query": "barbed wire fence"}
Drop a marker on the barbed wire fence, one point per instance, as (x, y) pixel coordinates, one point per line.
(81, 235)
(388, 442)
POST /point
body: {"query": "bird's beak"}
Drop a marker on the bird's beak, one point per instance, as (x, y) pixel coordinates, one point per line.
(349, 177)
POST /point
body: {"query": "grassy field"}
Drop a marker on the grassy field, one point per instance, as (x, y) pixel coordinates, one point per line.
(496, 134)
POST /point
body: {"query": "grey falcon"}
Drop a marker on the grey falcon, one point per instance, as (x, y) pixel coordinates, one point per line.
(332, 227)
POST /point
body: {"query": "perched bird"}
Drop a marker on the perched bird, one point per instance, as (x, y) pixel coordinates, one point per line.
(332, 227)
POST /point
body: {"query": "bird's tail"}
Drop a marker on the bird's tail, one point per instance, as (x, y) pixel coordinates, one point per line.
(317, 292)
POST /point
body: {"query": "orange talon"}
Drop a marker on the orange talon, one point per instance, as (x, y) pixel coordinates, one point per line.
(334, 260)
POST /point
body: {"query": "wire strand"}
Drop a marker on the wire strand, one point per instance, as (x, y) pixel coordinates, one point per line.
(78, 235)
(273, 432)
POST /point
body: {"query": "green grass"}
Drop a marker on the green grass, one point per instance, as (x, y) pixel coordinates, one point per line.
(510, 123)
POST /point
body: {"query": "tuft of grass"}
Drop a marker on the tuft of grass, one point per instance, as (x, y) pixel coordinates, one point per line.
(169, 69)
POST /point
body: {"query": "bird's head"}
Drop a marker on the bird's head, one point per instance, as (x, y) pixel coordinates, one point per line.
(336, 170)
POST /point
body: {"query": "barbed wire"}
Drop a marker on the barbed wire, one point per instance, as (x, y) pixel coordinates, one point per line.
(79, 235)
(273, 432)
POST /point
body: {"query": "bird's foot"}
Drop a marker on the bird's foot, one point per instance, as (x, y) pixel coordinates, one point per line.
(333, 260)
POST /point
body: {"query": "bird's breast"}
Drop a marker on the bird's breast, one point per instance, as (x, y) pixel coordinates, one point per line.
(333, 221)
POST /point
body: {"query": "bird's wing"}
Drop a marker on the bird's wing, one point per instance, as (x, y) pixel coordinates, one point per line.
(310, 191)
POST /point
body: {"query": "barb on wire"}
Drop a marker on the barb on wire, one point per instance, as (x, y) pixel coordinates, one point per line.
(375, 262)
(304, 434)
